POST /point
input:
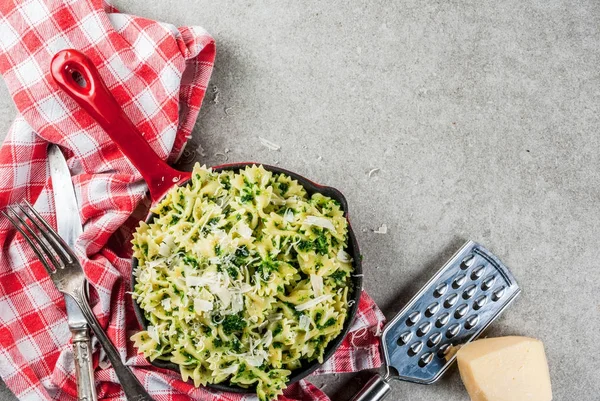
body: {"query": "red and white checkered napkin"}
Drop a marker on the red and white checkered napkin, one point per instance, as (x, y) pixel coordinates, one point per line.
(158, 73)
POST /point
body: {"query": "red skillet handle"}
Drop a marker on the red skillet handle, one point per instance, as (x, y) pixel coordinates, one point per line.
(95, 98)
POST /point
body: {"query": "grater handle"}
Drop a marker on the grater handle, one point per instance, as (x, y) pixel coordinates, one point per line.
(376, 389)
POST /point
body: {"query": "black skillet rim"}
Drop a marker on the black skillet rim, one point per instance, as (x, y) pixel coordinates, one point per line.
(356, 280)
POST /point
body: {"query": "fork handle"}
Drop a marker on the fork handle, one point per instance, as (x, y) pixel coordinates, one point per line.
(132, 387)
(84, 371)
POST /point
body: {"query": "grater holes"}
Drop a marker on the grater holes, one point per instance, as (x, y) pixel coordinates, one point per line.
(442, 320)
(434, 340)
(471, 322)
(413, 318)
(404, 338)
(443, 351)
(477, 272)
(469, 291)
(467, 262)
(453, 330)
(461, 311)
(480, 302)
(488, 282)
(498, 293)
(432, 309)
(415, 348)
(450, 301)
(423, 329)
(440, 290)
(459, 281)
(425, 359)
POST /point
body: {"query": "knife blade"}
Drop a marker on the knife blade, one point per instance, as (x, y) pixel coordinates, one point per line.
(69, 227)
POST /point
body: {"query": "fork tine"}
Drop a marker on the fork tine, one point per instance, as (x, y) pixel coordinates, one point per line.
(62, 250)
(33, 246)
(36, 238)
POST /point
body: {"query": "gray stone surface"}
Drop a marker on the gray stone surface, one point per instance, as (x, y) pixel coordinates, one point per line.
(483, 117)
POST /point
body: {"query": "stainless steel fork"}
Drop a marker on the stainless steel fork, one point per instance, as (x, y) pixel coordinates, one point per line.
(66, 273)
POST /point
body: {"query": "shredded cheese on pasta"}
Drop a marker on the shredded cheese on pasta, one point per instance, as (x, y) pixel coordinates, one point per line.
(242, 277)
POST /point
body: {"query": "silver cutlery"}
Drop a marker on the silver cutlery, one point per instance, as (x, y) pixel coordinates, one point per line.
(68, 225)
(66, 273)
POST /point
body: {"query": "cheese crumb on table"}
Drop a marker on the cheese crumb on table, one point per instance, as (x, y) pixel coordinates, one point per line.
(505, 369)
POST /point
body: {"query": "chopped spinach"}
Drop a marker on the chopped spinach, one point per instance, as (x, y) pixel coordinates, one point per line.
(283, 187)
(233, 323)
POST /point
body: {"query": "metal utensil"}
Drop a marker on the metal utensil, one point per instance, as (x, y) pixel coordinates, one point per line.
(452, 309)
(69, 227)
(66, 273)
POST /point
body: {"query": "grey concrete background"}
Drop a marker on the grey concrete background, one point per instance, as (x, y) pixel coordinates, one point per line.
(483, 117)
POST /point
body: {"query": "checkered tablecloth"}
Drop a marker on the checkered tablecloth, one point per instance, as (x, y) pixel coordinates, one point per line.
(158, 73)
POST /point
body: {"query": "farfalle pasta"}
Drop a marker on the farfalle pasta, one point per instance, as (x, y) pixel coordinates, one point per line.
(241, 277)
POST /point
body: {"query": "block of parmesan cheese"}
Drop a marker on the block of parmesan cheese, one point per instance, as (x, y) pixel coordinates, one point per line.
(505, 369)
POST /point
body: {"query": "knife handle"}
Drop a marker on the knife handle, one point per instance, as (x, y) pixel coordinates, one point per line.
(84, 370)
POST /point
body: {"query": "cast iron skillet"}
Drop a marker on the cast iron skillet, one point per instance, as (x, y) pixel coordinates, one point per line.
(68, 67)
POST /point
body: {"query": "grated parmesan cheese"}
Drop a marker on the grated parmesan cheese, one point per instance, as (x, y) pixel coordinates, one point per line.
(268, 338)
(237, 303)
(277, 200)
(244, 230)
(166, 304)
(268, 144)
(313, 302)
(154, 263)
(316, 282)
(200, 150)
(244, 288)
(200, 281)
(381, 230)
(153, 333)
(224, 295)
(319, 222)
(304, 323)
(343, 256)
(373, 171)
(166, 246)
(228, 370)
(202, 305)
(256, 360)
(222, 155)
(288, 216)
(275, 317)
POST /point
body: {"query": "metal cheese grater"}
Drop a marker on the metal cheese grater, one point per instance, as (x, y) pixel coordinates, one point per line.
(453, 308)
